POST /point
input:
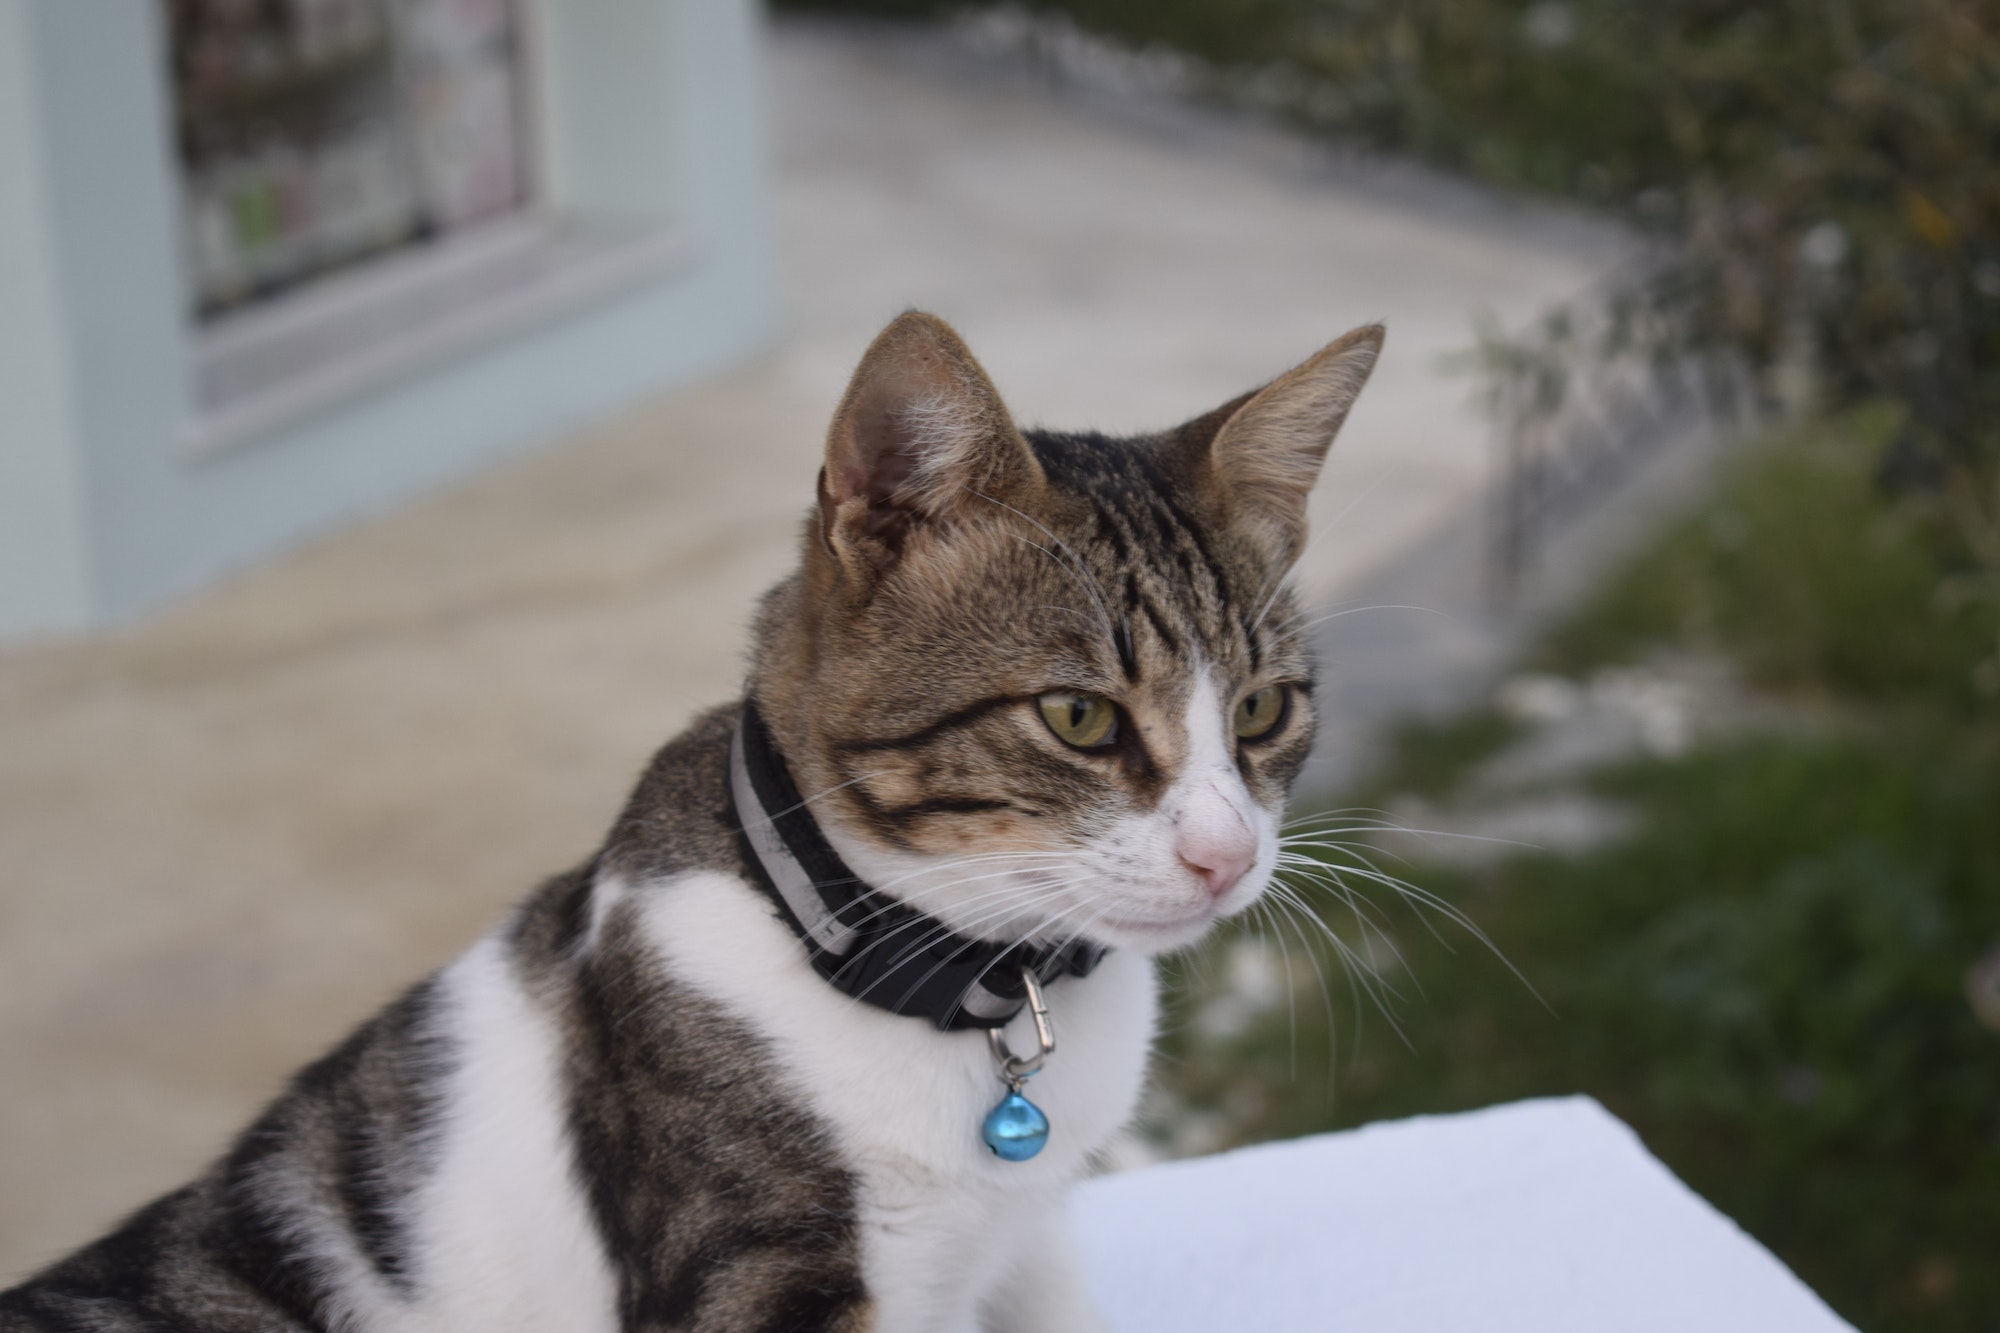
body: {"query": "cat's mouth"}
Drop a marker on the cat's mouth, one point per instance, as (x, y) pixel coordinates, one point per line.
(1170, 929)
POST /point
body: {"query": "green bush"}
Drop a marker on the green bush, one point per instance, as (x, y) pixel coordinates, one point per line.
(1814, 581)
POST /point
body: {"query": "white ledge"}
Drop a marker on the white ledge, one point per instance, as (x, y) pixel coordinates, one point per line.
(1537, 1217)
(341, 338)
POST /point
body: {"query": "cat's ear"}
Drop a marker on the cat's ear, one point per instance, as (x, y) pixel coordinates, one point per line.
(919, 437)
(1264, 450)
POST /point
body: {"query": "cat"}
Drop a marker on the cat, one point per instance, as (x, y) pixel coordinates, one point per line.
(784, 1063)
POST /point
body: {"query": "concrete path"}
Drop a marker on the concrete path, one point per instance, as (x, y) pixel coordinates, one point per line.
(229, 833)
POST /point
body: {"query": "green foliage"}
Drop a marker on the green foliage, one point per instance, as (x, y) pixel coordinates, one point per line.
(1426, 756)
(1768, 975)
(1813, 581)
(886, 9)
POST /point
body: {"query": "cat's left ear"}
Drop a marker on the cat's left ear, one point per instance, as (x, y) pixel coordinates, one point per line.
(1264, 450)
(920, 437)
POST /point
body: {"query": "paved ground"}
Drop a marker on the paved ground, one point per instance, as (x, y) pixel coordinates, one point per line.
(228, 833)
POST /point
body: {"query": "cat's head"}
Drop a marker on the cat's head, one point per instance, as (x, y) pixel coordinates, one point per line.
(1044, 685)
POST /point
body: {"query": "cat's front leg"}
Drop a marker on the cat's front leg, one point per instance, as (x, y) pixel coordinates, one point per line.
(1041, 1290)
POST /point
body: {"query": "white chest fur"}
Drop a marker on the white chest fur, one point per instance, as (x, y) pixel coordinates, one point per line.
(505, 1237)
(944, 1221)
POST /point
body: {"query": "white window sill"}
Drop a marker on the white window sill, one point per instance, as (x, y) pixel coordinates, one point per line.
(272, 366)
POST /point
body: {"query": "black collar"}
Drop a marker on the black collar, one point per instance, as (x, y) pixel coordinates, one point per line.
(866, 943)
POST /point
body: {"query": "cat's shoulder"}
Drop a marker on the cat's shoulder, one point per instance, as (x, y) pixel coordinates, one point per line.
(678, 818)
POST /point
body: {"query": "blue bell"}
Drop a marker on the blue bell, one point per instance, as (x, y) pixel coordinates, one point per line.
(1016, 1129)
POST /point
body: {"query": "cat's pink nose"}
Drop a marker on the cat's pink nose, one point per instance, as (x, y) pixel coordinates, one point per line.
(1218, 865)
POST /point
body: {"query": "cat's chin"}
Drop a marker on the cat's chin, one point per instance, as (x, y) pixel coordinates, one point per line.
(1158, 936)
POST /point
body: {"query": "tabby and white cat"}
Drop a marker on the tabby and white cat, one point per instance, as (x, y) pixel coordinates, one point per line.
(1046, 693)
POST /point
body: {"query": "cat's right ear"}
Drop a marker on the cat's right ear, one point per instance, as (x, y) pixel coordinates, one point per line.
(1263, 451)
(920, 436)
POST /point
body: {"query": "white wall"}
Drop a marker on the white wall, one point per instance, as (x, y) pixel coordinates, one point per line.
(44, 571)
(653, 113)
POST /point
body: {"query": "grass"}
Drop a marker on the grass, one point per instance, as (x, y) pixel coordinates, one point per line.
(1767, 976)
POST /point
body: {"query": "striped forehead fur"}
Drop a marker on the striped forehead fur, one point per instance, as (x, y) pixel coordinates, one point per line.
(1163, 558)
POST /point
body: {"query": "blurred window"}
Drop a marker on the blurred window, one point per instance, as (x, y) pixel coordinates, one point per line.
(315, 135)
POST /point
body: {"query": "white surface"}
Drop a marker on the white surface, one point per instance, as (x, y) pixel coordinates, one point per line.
(1540, 1216)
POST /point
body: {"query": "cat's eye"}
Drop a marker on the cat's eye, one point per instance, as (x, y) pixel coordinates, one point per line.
(1086, 721)
(1259, 712)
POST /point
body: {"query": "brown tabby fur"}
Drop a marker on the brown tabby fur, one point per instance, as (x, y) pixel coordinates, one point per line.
(1127, 557)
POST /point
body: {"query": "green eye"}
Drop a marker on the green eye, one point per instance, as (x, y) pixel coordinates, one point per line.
(1259, 712)
(1083, 720)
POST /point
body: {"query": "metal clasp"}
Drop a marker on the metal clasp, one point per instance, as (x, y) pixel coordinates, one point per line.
(1015, 1069)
